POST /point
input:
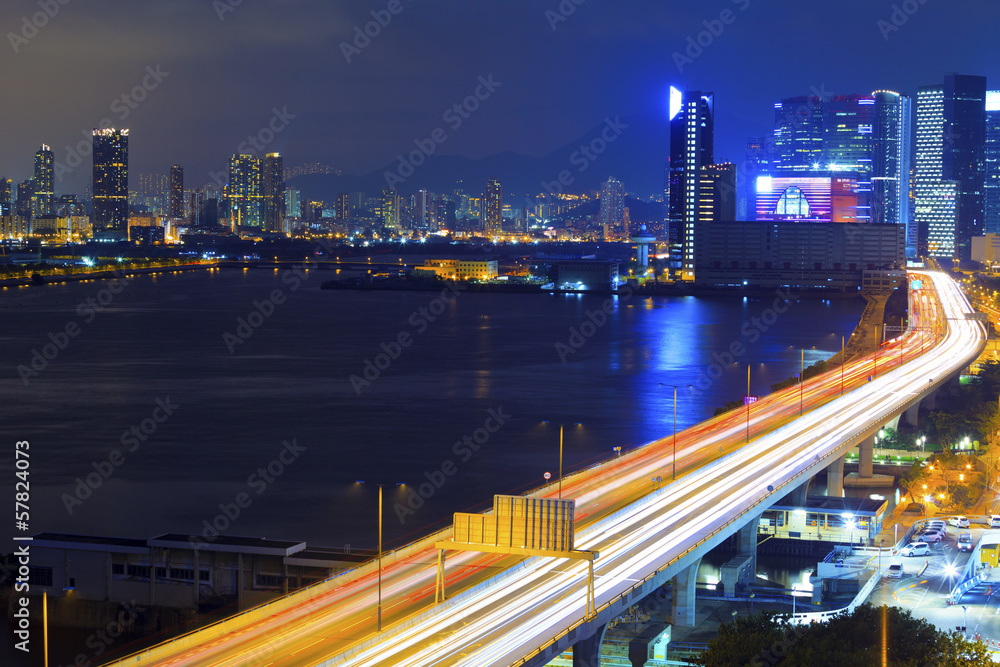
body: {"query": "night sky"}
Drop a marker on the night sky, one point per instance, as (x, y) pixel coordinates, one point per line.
(228, 64)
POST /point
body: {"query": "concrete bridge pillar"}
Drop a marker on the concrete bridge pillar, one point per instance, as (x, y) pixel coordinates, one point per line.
(835, 478)
(683, 598)
(893, 423)
(587, 652)
(910, 417)
(866, 449)
(798, 495)
(930, 400)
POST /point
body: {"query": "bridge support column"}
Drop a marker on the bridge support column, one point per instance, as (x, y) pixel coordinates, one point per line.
(893, 423)
(866, 449)
(835, 478)
(587, 652)
(683, 598)
(910, 417)
(798, 495)
(930, 400)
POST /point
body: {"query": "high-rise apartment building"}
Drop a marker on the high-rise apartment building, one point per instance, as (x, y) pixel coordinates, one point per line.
(692, 132)
(274, 193)
(41, 199)
(6, 201)
(343, 206)
(949, 180)
(389, 208)
(991, 192)
(717, 192)
(293, 205)
(612, 215)
(175, 208)
(493, 208)
(246, 200)
(110, 184)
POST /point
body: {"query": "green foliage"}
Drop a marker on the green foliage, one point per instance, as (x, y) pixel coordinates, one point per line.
(819, 367)
(846, 639)
(912, 481)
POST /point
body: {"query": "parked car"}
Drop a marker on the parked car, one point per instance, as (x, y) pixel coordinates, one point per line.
(895, 571)
(959, 521)
(931, 535)
(916, 549)
(995, 521)
(965, 542)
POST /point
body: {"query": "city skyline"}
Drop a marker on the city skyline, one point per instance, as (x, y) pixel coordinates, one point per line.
(336, 128)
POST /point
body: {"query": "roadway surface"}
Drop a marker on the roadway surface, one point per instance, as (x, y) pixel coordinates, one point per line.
(539, 599)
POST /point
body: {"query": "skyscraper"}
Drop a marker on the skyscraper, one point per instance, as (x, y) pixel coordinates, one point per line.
(798, 135)
(293, 207)
(756, 163)
(613, 206)
(6, 203)
(110, 184)
(493, 208)
(389, 208)
(274, 193)
(891, 163)
(692, 133)
(991, 193)
(176, 195)
(41, 200)
(246, 201)
(343, 206)
(950, 165)
(717, 193)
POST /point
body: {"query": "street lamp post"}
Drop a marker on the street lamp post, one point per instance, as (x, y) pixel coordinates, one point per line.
(748, 401)
(673, 474)
(802, 379)
(843, 362)
(378, 612)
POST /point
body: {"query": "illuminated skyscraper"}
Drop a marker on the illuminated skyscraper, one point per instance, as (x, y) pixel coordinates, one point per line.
(950, 165)
(717, 192)
(798, 135)
(293, 206)
(692, 133)
(991, 193)
(246, 200)
(389, 208)
(891, 149)
(274, 193)
(343, 206)
(613, 206)
(6, 203)
(493, 208)
(110, 184)
(41, 200)
(757, 163)
(176, 194)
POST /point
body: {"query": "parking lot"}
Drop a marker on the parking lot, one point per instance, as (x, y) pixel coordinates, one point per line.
(927, 580)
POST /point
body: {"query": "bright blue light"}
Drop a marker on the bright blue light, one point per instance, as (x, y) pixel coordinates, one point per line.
(764, 185)
(676, 99)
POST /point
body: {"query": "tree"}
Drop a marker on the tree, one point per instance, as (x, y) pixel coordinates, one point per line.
(913, 480)
(846, 639)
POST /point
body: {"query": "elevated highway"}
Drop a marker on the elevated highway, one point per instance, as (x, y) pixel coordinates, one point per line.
(509, 611)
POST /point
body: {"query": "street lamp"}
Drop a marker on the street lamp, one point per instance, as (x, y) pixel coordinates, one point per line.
(561, 454)
(379, 607)
(673, 474)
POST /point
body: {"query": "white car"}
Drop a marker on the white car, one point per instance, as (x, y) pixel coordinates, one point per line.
(895, 571)
(931, 535)
(995, 521)
(965, 542)
(916, 549)
(959, 521)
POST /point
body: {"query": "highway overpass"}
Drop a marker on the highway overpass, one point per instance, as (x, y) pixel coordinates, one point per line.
(510, 611)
